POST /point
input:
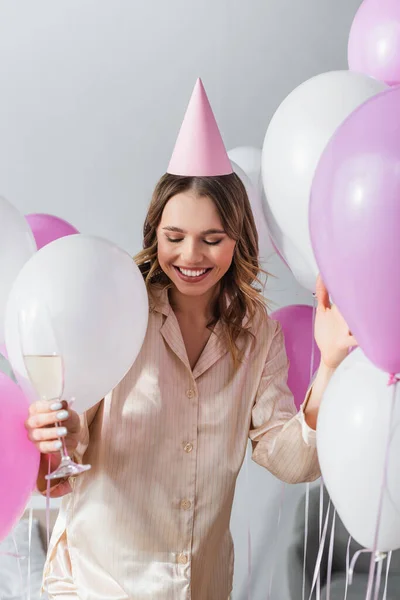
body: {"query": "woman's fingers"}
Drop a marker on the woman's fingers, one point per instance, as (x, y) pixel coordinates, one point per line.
(42, 419)
(47, 439)
(322, 294)
(48, 447)
(47, 433)
(44, 406)
(50, 421)
(351, 341)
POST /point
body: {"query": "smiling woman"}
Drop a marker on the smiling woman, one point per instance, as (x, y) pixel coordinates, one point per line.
(166, 445)
(199, 250)
(200, 240)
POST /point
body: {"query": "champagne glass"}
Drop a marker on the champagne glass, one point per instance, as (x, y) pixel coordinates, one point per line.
(45, 368)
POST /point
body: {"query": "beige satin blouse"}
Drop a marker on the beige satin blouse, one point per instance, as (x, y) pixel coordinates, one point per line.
(150, 520)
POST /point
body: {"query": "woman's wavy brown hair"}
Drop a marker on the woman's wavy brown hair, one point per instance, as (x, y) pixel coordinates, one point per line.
(239, 298)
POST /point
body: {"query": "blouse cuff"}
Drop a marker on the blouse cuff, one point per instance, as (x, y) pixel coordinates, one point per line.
(309, 435)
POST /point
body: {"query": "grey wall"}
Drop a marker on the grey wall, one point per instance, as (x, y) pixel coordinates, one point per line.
(92, 93)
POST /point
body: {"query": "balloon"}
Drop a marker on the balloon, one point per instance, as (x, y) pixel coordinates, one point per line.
(298, 328)
(279, 254)
(16, 246)
(249, 160)
(254, 195)
(302, 270)
(19, 458)
(47, 228)
(352, 432)
(294, 142)
(97, 303)
(355, 224)
(374, 41)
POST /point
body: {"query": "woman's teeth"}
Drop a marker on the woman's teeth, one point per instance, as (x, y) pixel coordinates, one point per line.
(191, 273)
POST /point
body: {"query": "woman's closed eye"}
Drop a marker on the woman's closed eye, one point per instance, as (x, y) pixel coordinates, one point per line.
(212, 243)
(208, 242)
(174, 240)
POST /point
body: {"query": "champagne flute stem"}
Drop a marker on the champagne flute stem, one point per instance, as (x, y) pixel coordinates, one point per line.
(63, 449)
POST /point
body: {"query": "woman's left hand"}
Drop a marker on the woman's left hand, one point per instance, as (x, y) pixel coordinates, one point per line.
(331, 331)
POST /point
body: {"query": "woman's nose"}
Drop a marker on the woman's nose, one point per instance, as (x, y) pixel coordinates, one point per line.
(191, 252)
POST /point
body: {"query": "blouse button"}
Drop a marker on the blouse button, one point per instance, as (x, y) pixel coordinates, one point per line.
(190, 393)
(188, 447)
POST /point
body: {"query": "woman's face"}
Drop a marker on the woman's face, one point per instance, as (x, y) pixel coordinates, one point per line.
(193, 248)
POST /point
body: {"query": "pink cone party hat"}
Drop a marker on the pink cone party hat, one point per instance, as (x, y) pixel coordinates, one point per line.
(199, 150)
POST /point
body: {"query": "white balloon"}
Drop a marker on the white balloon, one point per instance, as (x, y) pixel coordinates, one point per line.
(254, 195)
(17, 245)
(98, 307)
(354, 423)
(296, 137)
(248, 159)
(303, 272)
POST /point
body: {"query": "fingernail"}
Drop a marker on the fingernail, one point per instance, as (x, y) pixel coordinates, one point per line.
(62, 415)
(57, 445)
(61, 431)
(56, 406)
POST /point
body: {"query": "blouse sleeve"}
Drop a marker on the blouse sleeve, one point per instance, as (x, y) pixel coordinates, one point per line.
(282, 441)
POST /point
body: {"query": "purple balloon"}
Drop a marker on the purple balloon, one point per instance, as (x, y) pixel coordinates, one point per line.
(47, 228)
(19, 458)
(374, 42)
(298, 328)
(355, 225)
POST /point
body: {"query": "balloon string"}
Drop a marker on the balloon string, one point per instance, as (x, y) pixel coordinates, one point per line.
(320, 552)
(377, 557)
(281, 502)
(29, 553)
(330, 558)
(312, 340)
(249, 568)
(347, 567)
(321, 514)
(353, 562)
(307, 506)
(392, 380)
(13, 555)
(389, 558)
(48, 503)
(48, 515)
(21, 579)
(321, 485)
(378, 580)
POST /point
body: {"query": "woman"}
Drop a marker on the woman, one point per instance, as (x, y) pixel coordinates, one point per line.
(151, 518)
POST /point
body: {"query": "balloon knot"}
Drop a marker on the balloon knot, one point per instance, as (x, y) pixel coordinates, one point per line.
(379, 556)
(393, 379)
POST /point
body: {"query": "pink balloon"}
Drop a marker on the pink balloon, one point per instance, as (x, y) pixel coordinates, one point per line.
(47, 228)
(298, 328)
(19, 458)
(355, 225)
(374, 42)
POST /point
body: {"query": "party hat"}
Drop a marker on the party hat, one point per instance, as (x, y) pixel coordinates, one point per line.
(199, 150)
